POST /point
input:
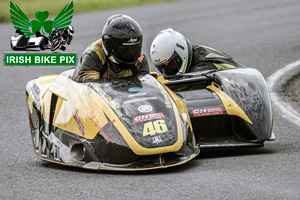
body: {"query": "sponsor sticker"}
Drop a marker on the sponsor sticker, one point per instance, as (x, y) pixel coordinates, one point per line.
(166, 97)
(145, 108)
(134, 89)
(94, 119)
(77, 120)
(140, 100)
(147, 117)
(207, 111)
(136, 95)
(156, 140)
(90, 94)
(132, 41)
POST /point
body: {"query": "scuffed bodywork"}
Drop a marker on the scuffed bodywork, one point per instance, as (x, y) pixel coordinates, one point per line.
(124, 124)
(248, 89)
(149, 122)
(229, 108)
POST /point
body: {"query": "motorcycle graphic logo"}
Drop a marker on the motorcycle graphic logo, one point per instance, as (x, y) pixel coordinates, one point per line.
(42, 33)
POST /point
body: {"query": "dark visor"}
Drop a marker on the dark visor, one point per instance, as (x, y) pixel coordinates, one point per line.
(127, 54)
(171, 66)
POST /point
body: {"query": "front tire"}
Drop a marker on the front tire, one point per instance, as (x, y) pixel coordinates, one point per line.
(42, 46)
(63, 48)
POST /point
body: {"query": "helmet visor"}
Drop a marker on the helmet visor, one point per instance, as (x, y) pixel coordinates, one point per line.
(127, 54)
(124, 51)
(171, 66)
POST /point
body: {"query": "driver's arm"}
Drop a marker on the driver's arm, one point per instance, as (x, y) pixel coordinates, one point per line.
(88, 69)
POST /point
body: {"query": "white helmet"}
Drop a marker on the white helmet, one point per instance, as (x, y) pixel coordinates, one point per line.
(71, 29)
(171, 52)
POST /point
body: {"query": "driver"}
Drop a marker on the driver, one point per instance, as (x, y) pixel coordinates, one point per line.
(172, 53)
(116, 54)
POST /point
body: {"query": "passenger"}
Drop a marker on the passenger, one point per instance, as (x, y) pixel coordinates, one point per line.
(172, 53)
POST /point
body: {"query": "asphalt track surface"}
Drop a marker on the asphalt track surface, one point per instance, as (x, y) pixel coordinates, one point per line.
(264, 34)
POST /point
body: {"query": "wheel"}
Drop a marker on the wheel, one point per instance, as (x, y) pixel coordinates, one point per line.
(63, 48)
(42, 45)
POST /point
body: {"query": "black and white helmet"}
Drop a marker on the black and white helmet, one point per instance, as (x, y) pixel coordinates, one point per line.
(171, 52)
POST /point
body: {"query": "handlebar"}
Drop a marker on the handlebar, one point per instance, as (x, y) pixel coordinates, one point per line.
(190, 77)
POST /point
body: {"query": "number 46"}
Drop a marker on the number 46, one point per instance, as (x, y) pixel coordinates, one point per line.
(158, 126)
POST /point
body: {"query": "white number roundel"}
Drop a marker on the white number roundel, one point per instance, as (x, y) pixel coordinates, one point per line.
(145, 108)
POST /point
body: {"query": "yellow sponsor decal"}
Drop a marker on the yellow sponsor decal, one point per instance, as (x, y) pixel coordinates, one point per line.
(231, 107)
(166, 97)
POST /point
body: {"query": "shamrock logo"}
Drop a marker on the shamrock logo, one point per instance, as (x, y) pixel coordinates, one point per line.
(42, 23)
(21, 21)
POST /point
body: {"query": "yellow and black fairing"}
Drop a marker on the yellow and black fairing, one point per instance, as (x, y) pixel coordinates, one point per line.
(229, 108)
(116, 124)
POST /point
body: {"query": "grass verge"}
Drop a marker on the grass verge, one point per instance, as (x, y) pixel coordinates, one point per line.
(30, 7)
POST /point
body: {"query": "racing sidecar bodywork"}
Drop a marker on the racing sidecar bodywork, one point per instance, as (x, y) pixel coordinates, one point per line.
(123, 124)
(229, 108)
(149, 122)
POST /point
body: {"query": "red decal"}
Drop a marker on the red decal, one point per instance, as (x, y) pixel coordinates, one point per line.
(105, 136)
(77, 120)
(94, 120)
(100, 128)
(92, 116)
(111, 123)
(207, 111)
(147, 117)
